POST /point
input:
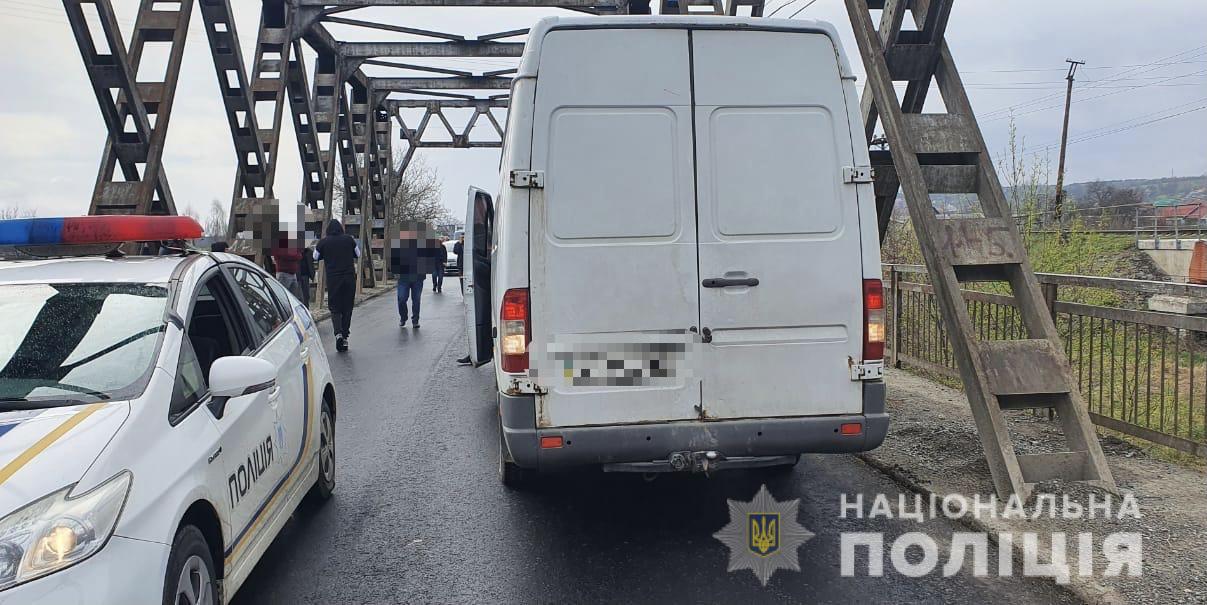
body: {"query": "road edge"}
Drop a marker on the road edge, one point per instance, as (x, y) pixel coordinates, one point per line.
(1086, 591)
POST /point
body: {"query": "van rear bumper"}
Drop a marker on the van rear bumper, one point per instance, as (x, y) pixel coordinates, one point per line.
(657, 441)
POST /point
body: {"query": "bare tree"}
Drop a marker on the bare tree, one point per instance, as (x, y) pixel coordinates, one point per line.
(216, 223)
(418, 196)
(1026, 181)
(16, 211)
(191, 212)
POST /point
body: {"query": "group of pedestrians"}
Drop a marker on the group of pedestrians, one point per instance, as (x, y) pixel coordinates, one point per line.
(416, 254)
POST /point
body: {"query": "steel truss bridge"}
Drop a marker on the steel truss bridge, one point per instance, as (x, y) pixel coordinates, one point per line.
(344, 120)
(344, 123)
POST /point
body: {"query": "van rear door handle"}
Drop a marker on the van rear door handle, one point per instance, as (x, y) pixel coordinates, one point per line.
(725, 282)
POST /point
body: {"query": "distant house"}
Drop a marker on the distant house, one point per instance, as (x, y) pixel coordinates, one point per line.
(1191, 206)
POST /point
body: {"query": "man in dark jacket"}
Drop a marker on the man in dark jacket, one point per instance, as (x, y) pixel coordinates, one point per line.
(438, 270)
(339, 253)
(413, 257)
(459, 250)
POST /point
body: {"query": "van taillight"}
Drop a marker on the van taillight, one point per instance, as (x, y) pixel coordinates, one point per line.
(514, 333)
(873, 319)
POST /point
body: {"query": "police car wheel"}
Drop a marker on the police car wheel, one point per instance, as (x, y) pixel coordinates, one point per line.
(325, 484)
(510, 474)
(190, 576)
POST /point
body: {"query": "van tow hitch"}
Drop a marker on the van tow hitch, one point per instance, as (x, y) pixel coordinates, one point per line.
(695, 462)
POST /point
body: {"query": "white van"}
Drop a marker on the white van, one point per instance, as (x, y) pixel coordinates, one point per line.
(682, 268)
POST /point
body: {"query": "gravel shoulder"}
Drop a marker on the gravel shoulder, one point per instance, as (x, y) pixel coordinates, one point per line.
(933, 447)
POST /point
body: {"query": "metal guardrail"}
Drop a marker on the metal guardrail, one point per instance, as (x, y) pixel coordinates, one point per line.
(1149, 222)
(1142, 373)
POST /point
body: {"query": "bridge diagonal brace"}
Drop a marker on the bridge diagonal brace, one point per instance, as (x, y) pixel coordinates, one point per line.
(143, 106)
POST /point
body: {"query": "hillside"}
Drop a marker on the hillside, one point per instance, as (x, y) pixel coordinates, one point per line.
(1149, 189)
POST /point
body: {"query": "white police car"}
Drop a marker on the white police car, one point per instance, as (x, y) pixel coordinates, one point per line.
(160, 417)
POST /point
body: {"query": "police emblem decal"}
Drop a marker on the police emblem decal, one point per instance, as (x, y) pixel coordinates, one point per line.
(763, 535)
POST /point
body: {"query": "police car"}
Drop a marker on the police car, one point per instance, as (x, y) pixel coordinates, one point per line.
(161, 417)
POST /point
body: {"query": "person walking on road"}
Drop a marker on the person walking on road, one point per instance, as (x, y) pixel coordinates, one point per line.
(438, 270)
(412, 259)
(287, 258)
(306, 275)
(459, 250)
(339, 252)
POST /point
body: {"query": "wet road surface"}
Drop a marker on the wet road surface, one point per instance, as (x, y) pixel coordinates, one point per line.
(419, 515)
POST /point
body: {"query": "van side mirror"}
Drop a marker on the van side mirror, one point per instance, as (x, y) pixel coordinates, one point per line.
(236, 376)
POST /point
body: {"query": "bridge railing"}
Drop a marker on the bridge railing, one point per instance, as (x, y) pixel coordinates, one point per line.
(1142, 373)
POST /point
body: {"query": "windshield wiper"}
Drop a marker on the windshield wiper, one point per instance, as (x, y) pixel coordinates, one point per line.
(75, 388)
(24, 403)
(13, 404)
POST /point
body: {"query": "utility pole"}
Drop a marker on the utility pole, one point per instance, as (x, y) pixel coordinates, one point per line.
(1064, 140)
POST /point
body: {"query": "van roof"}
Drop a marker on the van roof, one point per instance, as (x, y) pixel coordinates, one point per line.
(536, 36)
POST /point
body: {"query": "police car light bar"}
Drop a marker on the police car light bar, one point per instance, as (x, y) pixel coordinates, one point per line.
(96, 230)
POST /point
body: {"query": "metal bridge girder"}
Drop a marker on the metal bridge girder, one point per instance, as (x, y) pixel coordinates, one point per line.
(139, 153)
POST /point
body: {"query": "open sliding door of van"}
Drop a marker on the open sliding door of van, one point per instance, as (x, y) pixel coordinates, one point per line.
(612, 234)
(780, 263)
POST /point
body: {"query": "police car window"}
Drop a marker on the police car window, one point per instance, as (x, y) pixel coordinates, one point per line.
(190, 384)
(216, 328)
(75, 342)
(263, 309)
(284, 300)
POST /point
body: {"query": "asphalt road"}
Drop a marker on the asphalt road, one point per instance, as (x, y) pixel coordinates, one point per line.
(419, 516)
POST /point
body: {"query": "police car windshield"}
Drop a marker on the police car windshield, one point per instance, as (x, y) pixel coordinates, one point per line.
(77, 342)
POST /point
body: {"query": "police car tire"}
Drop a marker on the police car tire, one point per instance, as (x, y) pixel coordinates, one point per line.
(189, 543)
(510, 473)
(323, 487)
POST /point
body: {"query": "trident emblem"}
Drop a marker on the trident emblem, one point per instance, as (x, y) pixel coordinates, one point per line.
(764, 533)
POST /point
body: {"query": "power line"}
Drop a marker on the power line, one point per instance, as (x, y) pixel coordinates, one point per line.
(1145, 123)
(782, 7)
(1107, 94)
(1135, 118)
(1115, 78)
(801, 9)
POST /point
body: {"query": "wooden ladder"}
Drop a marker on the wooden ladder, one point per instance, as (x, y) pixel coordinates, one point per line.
(935, 153)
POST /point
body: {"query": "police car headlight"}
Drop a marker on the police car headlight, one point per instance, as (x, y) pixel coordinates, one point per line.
(59, 530)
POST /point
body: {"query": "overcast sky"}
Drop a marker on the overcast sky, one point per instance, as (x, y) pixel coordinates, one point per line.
(1144, 66)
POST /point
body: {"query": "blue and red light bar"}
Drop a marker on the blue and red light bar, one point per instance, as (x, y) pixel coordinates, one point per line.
(96, 230)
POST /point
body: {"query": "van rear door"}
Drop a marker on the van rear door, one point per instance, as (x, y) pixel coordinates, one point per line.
(772, 138)
(612, 233)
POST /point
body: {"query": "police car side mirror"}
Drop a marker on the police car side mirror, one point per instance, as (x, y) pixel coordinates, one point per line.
(236, 376)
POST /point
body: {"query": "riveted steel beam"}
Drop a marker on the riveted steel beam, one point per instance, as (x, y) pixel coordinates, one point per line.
(459, 83)
(466, 48)
(597, 5)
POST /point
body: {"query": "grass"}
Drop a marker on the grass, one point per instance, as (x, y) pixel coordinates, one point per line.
(1140, 374)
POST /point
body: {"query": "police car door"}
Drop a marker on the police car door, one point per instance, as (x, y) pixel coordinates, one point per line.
(273, 436)
(475, 280)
